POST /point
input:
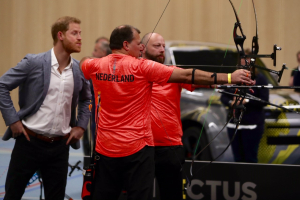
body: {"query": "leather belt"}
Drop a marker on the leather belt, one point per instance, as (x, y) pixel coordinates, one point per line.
(45, 138)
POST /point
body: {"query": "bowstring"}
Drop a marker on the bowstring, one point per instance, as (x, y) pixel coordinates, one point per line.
(157, 22)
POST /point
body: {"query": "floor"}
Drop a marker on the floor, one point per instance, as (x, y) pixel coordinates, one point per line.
(74, 183)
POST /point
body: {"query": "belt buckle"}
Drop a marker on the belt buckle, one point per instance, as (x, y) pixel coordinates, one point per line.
(51, 139)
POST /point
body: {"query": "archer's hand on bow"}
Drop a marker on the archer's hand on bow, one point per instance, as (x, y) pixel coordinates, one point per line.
(242, 76)
(238, 102)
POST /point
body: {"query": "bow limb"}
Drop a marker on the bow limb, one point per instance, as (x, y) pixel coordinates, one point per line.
(255, 46)
(238, 40)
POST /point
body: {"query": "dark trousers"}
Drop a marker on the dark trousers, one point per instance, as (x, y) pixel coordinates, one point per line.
(28, 157)
(168, 171)
(245, 143)
(135, 173)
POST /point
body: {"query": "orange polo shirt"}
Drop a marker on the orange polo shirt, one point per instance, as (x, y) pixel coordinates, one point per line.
(165, 113)
(125, 83)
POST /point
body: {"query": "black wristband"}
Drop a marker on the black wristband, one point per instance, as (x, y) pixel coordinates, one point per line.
(214, 75)
(193, 74)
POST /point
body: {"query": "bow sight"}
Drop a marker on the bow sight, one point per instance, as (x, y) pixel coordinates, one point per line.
(255, 51)
(251, 66)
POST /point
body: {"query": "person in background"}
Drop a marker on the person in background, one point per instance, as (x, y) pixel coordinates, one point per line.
(295, 75)
(102, 38)
(51, 86)
(101, 49)
(245, 144)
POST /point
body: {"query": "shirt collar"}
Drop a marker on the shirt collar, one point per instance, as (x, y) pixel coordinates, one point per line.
(54, 62)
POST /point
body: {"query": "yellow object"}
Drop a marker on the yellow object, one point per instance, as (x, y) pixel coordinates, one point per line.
(229, 78)
(90, 106)
(284, 154)
(267, 153)
(183, 183)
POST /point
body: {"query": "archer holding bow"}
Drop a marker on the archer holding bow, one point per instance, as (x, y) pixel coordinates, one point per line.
(124, 138)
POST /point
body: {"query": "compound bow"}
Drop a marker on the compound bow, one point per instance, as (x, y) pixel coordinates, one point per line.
(241, 90)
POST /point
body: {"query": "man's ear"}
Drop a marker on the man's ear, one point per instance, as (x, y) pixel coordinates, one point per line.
(60, 35)
(144, 49)
(126, 45)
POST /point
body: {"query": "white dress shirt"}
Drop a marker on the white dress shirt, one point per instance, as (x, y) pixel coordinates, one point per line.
(53, 117)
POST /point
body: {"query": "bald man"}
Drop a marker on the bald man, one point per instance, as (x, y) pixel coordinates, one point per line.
(166, 124)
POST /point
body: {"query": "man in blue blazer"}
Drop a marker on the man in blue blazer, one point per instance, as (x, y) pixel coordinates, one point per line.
(51, 86)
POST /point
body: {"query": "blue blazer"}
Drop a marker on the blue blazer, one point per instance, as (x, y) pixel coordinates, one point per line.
(32, 75)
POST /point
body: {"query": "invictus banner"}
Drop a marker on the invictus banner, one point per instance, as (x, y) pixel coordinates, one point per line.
(234, 181)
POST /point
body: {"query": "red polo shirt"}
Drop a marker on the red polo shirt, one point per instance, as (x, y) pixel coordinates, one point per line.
(125, 83)
(165, 113)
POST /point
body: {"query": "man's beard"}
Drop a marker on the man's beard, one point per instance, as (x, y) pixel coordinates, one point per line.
(70, 47)
(155, 58)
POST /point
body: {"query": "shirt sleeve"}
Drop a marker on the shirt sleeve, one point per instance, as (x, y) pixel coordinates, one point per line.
(188, 87)
(88, 67)
(155, 72)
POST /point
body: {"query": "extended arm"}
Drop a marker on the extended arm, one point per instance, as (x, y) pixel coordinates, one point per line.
(82, 60)
(205, 78)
